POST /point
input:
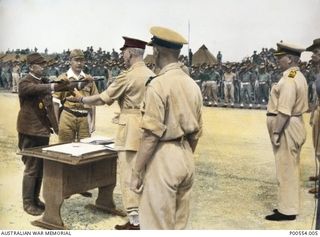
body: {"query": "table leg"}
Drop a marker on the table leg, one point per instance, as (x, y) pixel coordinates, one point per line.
(53, 196)
(105, 201)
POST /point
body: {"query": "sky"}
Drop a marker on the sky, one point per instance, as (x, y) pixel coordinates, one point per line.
(234, 27)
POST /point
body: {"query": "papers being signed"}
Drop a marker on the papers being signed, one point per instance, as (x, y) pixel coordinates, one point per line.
(85, 146)
(75, 148)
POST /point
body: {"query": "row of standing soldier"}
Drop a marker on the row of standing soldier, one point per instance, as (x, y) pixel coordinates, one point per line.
(245, 83)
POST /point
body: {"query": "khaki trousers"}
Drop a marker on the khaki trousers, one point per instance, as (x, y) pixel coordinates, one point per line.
(126, 161)
(167, 187)
(72, 128)
(287, 159)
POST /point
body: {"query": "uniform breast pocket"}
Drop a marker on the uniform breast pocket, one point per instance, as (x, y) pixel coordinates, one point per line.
(86, 90)
(122, 131)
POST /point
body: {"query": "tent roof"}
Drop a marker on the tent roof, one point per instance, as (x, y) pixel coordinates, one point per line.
(203, 55)
(21, 57)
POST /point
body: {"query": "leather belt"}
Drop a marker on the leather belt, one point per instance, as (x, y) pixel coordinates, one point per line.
(273, 114)
(77, 113)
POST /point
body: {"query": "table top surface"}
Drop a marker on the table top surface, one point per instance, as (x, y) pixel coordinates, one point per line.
(67, 158)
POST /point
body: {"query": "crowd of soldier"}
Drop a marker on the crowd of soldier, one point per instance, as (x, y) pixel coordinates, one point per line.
(245, 83)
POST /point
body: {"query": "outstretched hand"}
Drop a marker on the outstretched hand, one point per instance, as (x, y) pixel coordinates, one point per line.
(76, 97)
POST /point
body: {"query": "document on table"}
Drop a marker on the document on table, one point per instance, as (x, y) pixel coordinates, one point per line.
(75, 148)
(98, 140)
(110, 147)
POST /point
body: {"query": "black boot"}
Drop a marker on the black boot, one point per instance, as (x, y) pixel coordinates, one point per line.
(37, 200)
(28, 191)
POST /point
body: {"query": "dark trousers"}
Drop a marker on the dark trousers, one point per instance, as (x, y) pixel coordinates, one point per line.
(33, 165)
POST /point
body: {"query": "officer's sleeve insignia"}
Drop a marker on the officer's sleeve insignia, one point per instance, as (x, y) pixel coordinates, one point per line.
(292, 74)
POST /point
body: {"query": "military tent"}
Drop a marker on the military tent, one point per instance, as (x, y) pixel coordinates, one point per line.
(202, 56)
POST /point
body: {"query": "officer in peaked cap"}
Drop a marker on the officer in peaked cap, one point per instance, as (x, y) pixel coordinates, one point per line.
(166, 38)
(288, 49)
(171, 126)
(128, 90)
(288, 101)
(133, 43)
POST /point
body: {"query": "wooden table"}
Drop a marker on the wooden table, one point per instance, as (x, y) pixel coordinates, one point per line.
(64, 175)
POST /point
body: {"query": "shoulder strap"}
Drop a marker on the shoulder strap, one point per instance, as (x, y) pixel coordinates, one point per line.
(150, 79)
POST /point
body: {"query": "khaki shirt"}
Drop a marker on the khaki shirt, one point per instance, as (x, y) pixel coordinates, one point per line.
(229, 77)
(128, 89)
(88, 90)
(290, 95)
(172, 106)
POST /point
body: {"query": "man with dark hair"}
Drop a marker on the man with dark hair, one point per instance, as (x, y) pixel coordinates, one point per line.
(172, 125)
(35, 122)
(288, 101)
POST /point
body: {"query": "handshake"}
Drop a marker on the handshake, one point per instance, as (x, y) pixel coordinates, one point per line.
(66, 85)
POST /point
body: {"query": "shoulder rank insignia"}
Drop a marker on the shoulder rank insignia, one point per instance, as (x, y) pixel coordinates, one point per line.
(292, 74)
(150, 79)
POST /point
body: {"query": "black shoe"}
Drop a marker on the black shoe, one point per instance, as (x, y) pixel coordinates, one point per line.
(39, 204)
(127, 226)
(313, 190)
(277, 216)
(313, 178)
(32, 209)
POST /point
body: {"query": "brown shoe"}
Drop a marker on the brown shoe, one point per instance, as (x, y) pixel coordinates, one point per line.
(313, 191)
(127, 226)
(313, 178)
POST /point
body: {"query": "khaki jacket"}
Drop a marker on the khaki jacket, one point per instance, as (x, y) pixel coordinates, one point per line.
(128, 89)
(170, 114)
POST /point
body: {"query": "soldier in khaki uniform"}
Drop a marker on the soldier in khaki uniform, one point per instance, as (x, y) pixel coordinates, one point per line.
(76, 120)
(228, 79)
(287, 102)
(172, 125)
(128, 89)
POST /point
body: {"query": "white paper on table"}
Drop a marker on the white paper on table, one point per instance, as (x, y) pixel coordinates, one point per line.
(75, 148)
(98, 140)
(110, 147)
